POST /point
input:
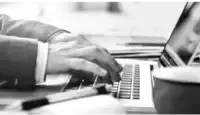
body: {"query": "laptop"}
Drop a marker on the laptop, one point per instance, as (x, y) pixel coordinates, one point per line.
(135, 88)
(134, 91)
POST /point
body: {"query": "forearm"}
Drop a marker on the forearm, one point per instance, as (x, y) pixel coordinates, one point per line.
(27, 29)
(18, 60)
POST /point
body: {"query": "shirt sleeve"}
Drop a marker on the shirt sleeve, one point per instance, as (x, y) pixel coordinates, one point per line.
(41, 62)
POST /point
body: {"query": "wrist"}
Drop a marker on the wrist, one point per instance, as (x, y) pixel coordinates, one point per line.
(41, 62)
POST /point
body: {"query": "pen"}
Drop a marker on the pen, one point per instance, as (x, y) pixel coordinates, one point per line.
(60, 97)
(142, 44)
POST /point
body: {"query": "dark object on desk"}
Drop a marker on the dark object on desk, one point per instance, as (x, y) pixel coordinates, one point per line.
(148, 39)
(141, 55)
(113, 7)
(143, 44)
(176, 98)
(60, 97)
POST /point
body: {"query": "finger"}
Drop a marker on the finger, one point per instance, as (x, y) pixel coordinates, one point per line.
(195, 12)
(85, 66)
(63, 37)
(180, 74)
(102, 59)
(75, 37)
(94, 53)
(112, 75)
(104, 49)
(111, 60)
(107, 79)
(115, 77)
(84, 40)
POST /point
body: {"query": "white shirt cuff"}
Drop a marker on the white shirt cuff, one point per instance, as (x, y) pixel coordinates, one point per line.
(41, 62)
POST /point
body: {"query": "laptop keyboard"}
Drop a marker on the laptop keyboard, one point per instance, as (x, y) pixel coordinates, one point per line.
(129, 86)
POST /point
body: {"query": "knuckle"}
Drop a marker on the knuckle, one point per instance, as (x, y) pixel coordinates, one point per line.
(74, 42)
(102, 48)
(106, 50)
(82, 61)
(93, 59)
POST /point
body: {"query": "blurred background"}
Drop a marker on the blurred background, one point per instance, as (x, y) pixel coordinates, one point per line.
(110, 18)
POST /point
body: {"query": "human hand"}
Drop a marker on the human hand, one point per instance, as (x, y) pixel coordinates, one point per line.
(82, 60)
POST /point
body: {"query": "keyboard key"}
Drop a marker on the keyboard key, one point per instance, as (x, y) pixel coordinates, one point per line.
(127, 80)
(124, 96)
(136, 88)
(136, 85)
(113, 91)
(136, 91)
(125, 85)
(125, 92)
(127, 75)
(136, 97)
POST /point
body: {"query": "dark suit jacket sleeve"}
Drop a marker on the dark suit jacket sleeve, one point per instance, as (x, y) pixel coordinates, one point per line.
(18, 50)
(27, 29)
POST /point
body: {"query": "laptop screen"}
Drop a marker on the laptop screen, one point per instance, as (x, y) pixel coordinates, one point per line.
(184, 38)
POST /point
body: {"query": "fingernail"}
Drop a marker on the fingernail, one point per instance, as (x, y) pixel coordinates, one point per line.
(119, 77)
(120, 66)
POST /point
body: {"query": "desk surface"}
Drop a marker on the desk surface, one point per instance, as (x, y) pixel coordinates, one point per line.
(53, 84)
